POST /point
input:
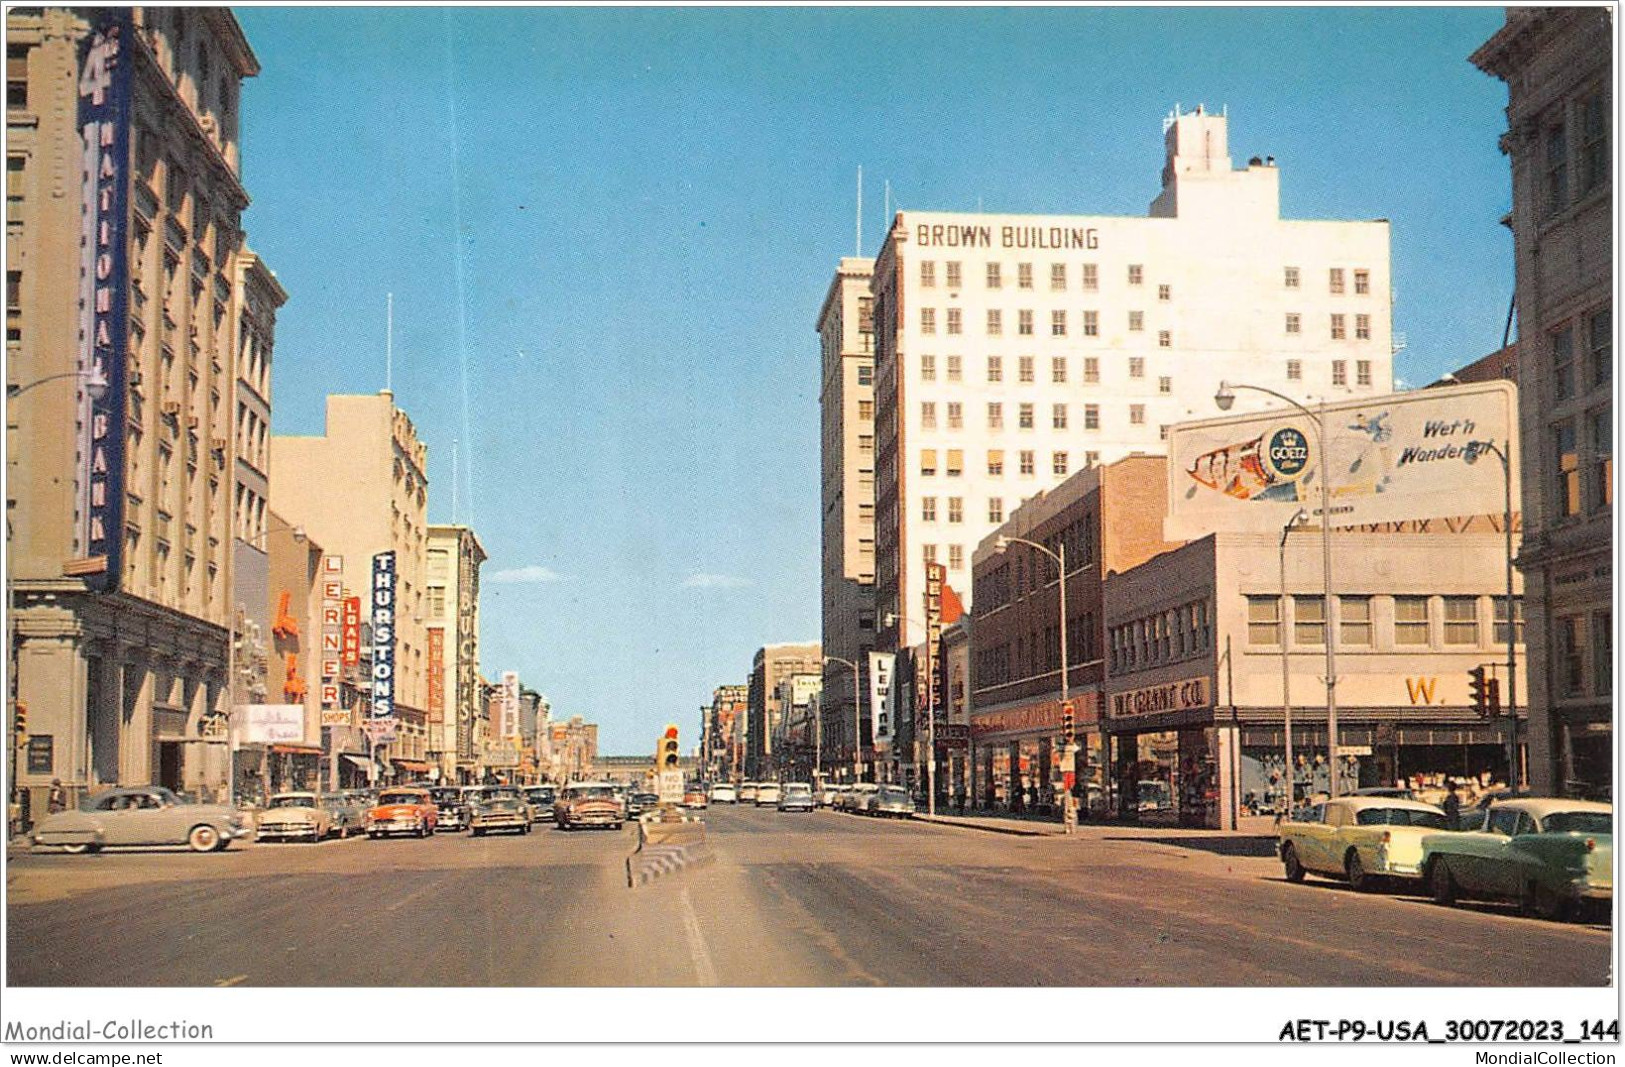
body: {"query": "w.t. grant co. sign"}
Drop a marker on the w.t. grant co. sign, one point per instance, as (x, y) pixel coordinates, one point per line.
(1192, 694)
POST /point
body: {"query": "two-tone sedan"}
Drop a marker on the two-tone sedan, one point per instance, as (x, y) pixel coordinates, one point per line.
(403, 810)
(143, 815)
(294, 817)
(890, 802)
(499, 813)
(1551, 855)
(1361, 839)
(588, 804)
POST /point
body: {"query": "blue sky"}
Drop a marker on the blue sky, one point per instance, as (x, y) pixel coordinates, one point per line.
(643, 208)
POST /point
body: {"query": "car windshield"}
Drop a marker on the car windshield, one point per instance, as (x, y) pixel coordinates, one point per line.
(893, 792)
(1578, 822)
(1432, 820)
(502, 804)
(445, 796)
(646, 798)
(400, 798)
(799, 789)
(293, 802)
(590, 792)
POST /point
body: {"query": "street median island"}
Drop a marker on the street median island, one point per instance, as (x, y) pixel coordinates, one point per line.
(666, 846)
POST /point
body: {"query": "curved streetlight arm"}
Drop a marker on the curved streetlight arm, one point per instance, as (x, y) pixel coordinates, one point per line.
(998, 547)
(95, 384)
(857, 719)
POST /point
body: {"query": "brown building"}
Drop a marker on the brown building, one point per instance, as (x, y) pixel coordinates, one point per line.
(125, 362)
(1109, 519)
(1557, 63)
(573, 749)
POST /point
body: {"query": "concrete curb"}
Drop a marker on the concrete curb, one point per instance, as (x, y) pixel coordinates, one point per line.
(987, 828)
(657, 861)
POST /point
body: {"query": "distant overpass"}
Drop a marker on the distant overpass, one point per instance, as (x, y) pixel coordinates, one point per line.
(632, 768)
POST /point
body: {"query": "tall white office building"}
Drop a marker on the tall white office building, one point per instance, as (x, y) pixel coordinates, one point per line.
(1014, 350)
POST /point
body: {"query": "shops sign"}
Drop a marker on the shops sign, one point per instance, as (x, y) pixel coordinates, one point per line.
(1189, 695)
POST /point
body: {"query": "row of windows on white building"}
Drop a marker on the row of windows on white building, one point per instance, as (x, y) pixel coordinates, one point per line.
(1337, 278)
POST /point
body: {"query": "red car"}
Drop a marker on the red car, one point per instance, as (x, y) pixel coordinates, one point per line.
(403, 811)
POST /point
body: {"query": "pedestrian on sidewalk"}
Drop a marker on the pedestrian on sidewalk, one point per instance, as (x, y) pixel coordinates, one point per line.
(1069, 812)
(58, 798)
(1452, 806)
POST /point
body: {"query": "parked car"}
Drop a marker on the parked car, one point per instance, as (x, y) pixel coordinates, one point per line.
(724, 793)
(638, 803)
(452, 809)
(1395, 792)
(1362, 839)
(402, 810)
(499, 813)
(142, 815)
(890, 802)
(588, 804)
(294, 817)
(347, 816)
(767, 794)
(694, 798)
(797, 796)
(1551, 855)
(747, 792)
(541, 799)
(827, 795)
(857, 800)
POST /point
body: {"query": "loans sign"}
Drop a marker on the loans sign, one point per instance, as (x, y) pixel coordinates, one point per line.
(1425, 454)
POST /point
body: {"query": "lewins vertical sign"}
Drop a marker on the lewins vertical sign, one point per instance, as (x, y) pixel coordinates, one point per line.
(381, 722)
(1425, 454)
(105, 65)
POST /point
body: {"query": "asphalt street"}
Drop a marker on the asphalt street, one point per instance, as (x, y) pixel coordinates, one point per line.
(824, 899)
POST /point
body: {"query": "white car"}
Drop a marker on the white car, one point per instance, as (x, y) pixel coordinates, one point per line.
(767, 794)
(294, 817)
(826, 797)
(724, 793)
(797, 796)
(747, 792)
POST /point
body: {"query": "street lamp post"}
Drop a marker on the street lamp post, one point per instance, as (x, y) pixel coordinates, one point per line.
(96, 386)
(1070, 752)
(857, 719)
(1286, 669)
(1226, 397)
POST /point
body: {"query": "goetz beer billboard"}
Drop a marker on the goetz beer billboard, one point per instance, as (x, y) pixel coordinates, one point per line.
(1420, 455)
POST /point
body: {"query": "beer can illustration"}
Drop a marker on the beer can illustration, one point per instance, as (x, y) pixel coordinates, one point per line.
(1266, 467)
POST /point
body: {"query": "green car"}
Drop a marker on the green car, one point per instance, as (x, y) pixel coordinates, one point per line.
(1549, 855)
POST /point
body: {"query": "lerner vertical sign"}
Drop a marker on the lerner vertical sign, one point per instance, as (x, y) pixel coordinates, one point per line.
(104, 129)
(382, 719)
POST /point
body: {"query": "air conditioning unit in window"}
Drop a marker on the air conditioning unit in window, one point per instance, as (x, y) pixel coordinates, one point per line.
(191, 422)
(171, 409)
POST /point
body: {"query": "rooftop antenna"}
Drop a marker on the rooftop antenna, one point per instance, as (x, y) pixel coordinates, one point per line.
(859, 252)
(389, 343)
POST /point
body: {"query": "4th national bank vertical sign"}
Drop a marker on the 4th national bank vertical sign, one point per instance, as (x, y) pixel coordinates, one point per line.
(382, 720)
(105, 66)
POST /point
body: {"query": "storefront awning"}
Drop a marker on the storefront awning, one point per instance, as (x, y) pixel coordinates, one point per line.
(296, 750)
(360, 763)
(411, 765)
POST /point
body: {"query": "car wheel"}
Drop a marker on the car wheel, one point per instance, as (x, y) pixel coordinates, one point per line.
(1359, 880)
(1441, 883)
(477, 832)
(1549, 904)
(203, 838)
(1294, 867)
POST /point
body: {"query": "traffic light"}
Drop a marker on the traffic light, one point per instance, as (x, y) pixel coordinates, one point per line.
(1068, 726)
(19, 720)
(1492, 695)
(1478, 686)
(669, 755)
